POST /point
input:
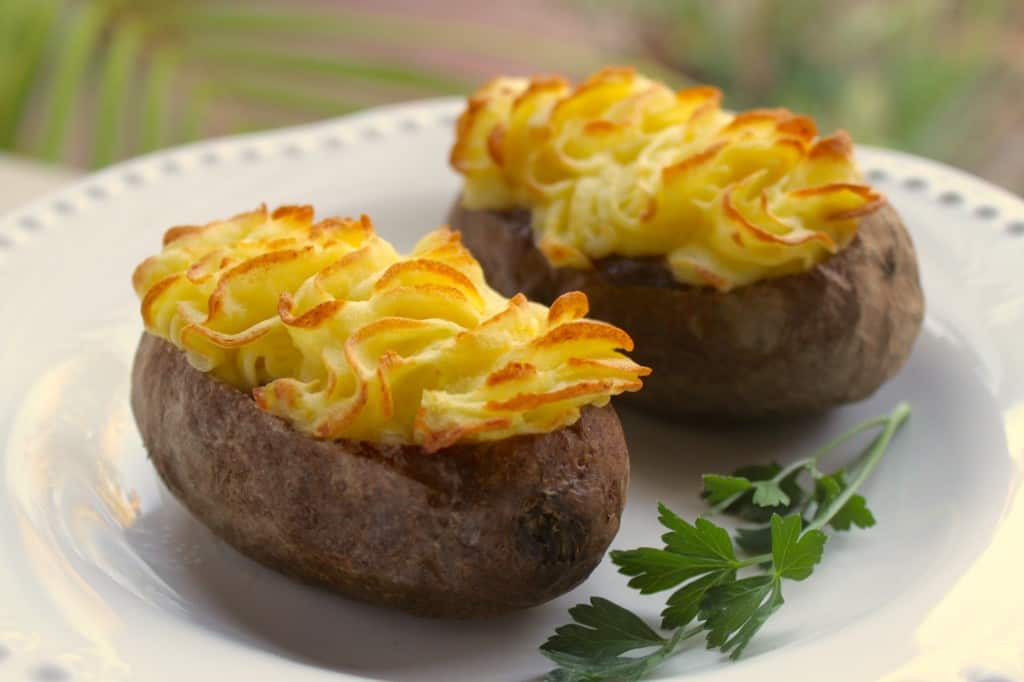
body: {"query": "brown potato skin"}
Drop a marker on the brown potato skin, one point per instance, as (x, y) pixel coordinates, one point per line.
(471, 530)
(784, 346)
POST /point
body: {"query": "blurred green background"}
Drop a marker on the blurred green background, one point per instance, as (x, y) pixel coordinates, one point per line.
(85, 83)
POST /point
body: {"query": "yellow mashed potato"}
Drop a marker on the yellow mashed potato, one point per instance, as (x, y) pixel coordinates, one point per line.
(623, 165)
(342, 336)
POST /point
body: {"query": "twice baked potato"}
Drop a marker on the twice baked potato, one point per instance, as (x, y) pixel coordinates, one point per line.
(385, 426)
(757, 274)
(786, 345)
(475, 529)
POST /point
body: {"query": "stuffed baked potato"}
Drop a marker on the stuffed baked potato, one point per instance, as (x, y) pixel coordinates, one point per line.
(385, 426)
(756, 272)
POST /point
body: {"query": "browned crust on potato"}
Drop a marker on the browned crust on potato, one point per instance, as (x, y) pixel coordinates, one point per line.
(789, 345)
(472, 530)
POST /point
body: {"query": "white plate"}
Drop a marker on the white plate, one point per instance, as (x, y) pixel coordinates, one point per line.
(103, 576)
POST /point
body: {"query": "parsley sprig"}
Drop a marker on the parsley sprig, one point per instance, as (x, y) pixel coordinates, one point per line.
(790, 507)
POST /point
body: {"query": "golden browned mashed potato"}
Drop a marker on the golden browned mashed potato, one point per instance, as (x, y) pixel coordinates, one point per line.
(623, 165)
(335, 331)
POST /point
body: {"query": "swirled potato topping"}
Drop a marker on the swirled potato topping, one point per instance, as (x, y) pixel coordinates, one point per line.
(622, 165)
(342, 336)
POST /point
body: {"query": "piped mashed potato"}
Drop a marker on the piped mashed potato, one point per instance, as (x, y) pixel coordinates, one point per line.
(622, 165)
(342, 336)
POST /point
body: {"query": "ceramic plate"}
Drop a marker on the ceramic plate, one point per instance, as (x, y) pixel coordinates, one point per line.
(104, 576)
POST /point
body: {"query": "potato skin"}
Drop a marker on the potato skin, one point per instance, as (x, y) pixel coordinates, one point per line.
(784, 346)
(472, 530)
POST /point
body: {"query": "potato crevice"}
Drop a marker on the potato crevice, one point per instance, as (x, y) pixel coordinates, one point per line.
(336, 332)
(622, 165)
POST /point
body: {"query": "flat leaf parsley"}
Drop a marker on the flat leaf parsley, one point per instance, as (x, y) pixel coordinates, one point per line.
(791, 506)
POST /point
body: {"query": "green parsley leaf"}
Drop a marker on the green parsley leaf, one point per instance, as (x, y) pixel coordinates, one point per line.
(734, 612)
(770, 494)
(854, 513)
(718, 488)
(755, 540)
(782, 497)
(591, 648)
(691, 550)
(827, 488)
(794, 555)
(574, 669)
(684, 604)
(603, 629)
(702, 540)
(654, 570)
(700, 550)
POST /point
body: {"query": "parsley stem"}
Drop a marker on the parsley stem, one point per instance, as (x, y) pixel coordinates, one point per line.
(759, 559)
(839, 440)
(805, 462)
(847, 435)
(681, 635)
(893, 422)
